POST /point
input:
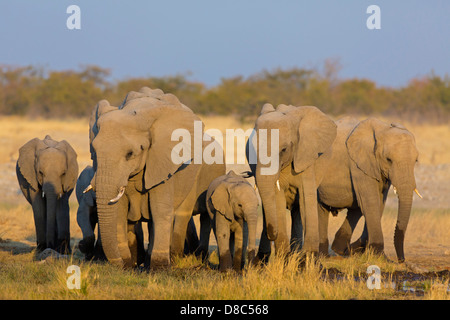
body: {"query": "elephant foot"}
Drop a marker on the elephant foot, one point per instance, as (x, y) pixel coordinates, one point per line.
(377, 248)
(86, 245)
(99, 254)
(341, 244)
(251, 257)
(262, 258)
(159, 260)
(63, 246)
(323, 249)
(359, 246)
(40, 247)
(309, 257)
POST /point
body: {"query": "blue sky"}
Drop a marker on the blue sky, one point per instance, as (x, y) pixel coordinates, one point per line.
(211, 39)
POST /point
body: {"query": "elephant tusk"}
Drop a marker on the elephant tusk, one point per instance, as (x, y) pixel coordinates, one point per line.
(89, 188)
(43, 194)
(417, 191)
(395, 189)
(119, 195)
(278, 185)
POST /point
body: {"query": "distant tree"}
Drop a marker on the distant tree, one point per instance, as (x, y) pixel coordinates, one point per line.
(38, 92)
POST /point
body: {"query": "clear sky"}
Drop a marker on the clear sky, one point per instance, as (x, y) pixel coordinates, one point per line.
(214, 39)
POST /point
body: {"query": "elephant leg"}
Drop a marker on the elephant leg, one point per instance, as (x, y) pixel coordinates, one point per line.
(370, 202)
(86, 245)
(180, 226)
(264, 249)
(308, 208)
(296, 229)
(40, 223)
(191, 242)
(99, 254)
(282, 240)
(245, 239)
(324, 215)
(205, 231)
(223, 238)
(122, 232)
(151, 239)
(63, 225)
(360, 244)
(341, 243)
(237, 227)
(181, 220)
(140, 243)
(161, 206)
(132, 243)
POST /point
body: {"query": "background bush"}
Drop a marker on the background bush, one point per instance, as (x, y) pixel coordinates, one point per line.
(33, 91)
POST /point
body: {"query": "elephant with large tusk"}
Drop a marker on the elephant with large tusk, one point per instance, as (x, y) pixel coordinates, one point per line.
(305, 138)
(136, 139)
(368, 157)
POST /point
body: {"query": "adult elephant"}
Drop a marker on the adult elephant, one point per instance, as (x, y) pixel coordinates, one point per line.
(368, 157)
(47, 171)
(305, 138)
(137, 139)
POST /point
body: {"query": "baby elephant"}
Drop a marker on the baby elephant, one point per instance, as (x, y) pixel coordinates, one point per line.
(87, 216)
(47, 171)
(232, 206)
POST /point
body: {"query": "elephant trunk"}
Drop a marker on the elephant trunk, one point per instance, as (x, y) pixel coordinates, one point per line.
(251, 224)
(106, 189)
(266, 185)
(404, 188)
(51, 204)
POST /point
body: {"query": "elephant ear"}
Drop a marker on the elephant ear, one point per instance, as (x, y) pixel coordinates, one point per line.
(27, 160)
(101, 108)
(70, 178)
(362, 144)
(164, 121)
(316, 134)
(267, 108)
(220, 199)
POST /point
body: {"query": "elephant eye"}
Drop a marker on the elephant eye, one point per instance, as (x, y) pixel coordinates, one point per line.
(240, 205)
(389, 160)
(284, 149)
(129, 155)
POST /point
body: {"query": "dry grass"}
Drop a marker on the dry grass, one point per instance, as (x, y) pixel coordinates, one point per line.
(23, 278)
(433, 141)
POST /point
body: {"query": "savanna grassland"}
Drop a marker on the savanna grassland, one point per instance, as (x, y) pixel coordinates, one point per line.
(425, 275)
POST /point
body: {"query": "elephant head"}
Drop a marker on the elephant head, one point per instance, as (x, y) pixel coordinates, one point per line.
(133, 139)
(49, 165)
(388, 154)
(235, 200)
(305, 133)
(50, 169)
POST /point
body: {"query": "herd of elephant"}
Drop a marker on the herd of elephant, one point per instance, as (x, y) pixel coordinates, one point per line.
(324, 166)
